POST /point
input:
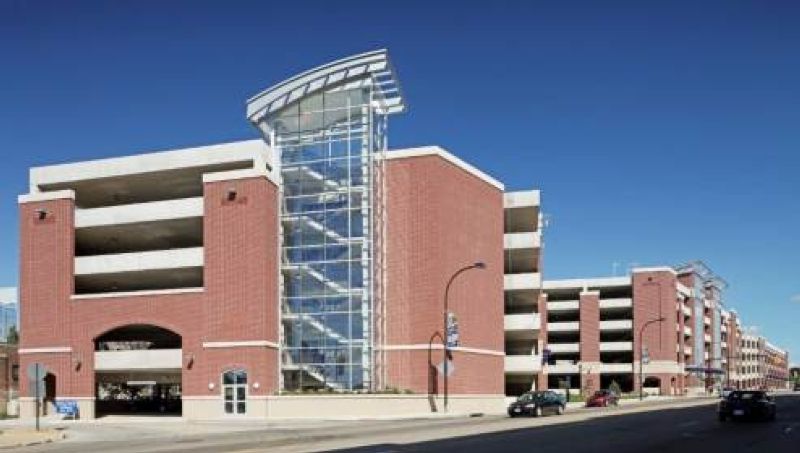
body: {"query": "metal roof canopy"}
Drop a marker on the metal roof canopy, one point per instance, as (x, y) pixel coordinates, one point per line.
(705, 272)
(374, 66)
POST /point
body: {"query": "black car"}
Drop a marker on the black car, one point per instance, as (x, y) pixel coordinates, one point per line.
(747, 404)
(538, 404)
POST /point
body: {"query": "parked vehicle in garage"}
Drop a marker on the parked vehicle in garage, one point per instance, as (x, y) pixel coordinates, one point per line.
(537, 404)
(750, 404)
(603, 398)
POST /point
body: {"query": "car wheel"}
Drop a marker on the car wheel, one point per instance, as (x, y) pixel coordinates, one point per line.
(560, 410)
(537, 412)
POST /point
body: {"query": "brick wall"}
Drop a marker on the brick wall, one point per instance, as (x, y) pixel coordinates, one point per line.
(590, 340)
(239, 303)
(439, 219)
(541, 377)
(654, 296)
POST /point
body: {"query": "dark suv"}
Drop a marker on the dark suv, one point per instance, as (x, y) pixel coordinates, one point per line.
(747, 404)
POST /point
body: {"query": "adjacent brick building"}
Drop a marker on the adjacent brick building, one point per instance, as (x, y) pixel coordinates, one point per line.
(597, 327)
(594, 331)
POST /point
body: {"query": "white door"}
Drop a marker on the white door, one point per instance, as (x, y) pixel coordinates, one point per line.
(234, 392)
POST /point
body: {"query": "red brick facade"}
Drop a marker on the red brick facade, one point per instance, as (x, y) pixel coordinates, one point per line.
(590, 341)
(441, 218)
(541, 377)
(239, 301)
(655, 296)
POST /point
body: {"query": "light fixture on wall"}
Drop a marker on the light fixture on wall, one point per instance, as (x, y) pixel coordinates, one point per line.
(41, 214)
(77, 362)
(189, 361)
(256, 385)
(211, 386)
(232, 194)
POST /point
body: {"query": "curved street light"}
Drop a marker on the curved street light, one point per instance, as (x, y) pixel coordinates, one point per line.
(476, 265)
(641, 354)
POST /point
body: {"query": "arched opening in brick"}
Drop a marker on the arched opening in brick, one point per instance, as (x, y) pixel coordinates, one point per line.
(138, 370)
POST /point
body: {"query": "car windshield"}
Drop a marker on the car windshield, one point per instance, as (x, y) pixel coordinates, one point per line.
(747, 396)
(526, 397)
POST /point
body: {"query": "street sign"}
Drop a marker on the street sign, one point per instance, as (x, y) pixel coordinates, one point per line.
(36, 373)
(645, 355)
(451, 367)
(452, 331)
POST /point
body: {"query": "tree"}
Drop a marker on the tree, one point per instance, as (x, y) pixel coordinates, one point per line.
(12, 337)
(614, 387)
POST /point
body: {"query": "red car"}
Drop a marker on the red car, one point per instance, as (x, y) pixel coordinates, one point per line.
(602, 398)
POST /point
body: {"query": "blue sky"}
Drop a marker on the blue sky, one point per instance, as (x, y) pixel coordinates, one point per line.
(657, 133)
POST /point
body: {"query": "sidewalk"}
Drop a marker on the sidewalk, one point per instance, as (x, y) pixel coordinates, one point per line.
(223, 424)
(23, 437)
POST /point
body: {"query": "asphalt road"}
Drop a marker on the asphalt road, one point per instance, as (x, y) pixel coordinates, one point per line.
(685, 426)
(693, 429)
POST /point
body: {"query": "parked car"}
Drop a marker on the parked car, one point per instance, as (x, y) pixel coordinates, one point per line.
(725, 392)
(537, 404)
(603, 398)
(747, 404)
(797, 386)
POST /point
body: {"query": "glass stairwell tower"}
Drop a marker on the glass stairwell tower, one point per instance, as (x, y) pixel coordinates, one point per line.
(328, 128)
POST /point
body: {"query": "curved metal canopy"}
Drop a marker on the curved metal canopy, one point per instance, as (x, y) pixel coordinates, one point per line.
(371, 67)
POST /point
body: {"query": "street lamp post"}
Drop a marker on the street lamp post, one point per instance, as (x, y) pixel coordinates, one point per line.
(641, 354)
(476, 265)
(431, 370)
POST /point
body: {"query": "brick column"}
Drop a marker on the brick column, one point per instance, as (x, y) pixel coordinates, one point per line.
(654, 295)
(590, 340)
(240, 237)
(47, 256)
(541, 377)
(681, 345)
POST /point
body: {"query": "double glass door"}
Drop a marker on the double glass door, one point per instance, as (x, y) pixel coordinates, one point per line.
(234, 391)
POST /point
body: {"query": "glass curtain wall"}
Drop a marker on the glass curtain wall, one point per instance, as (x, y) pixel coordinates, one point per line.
(327, 144)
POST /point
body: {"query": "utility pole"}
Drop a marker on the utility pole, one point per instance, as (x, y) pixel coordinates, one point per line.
(38, 403)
